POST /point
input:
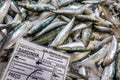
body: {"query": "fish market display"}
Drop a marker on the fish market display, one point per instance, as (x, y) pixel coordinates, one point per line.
(86, 30)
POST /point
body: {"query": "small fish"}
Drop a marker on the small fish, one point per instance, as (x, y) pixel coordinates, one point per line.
(93, 1)
(64, 18)
(37, 7)
(14, 7)
(63, 3)
(99, 36)
(72, 46)
(17, 34)
(86, 18)
(68, 78)
(9, 25)
(118, 67)
(43, 1)
(62, 36)
(86, 36)
(50, 27)
(47, 37)
(23, 14)
(108, 15)
(102, 22)
(112, 52)
(44, 15)
(71, 11)
(78, 56)
(80, 26)
(103, 28)
(38, 26)
(82, 72)
(109, 72)
(8, 19)
(91, 60)
(4, 10)
(55, 4)
(103, 42)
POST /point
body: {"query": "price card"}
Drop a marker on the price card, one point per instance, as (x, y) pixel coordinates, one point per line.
(33, 62)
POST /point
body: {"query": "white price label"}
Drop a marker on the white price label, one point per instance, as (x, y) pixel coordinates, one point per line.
(33, 62)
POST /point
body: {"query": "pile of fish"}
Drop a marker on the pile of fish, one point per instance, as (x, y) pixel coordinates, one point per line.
(87, 30)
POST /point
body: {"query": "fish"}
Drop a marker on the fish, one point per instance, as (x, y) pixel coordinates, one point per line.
(14, 7)
(17, 34)
(9, 25)
(108, 15)
(86, 18)
(109, 72)
(86, 36)
(118, 66)
(86, 30)
(81, 26)
(63, 3)
(93, 1)
(64, 18)
(77, 11)
(72, 46)
(4, 10)
(103, 28)
(78, 56)
(62, 36)
(38, 26)
(111, 53)
(37, 7)
(55, 3)
(47, 37)
(91, 60)
(50, 27)
(8, 19)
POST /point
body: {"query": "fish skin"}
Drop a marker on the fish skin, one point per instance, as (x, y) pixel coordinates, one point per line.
(72, 46)
(109, 72)
(14, 7)
(47, 36)
(86, 36)
(112, 52)
(50, 27)
(4, 10)
(78, 56)
(91, 60)
(63, 3)
(38, 26)
(62, 36)
(118, 66)
(17, 34)
(38, 7)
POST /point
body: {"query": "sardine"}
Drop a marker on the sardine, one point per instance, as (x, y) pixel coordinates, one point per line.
(37, 7)
(50, 27)
(109, 72)
(112, 52)
(62, 36)
(86, 36)
(38, 26)
(4, 10)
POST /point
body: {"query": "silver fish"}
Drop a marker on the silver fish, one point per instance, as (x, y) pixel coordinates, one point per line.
(4, 10)
(17, 34)
(78, 56)
(112, 52)
(109, 72)
(86, 36)
(50, 27)
(62, 36)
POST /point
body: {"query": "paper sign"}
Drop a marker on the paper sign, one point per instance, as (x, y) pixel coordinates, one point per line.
(33, 62)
